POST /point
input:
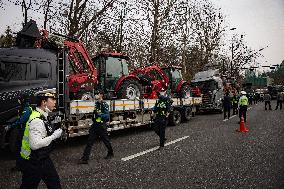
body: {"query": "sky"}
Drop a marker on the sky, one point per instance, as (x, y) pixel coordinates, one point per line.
(262, 22)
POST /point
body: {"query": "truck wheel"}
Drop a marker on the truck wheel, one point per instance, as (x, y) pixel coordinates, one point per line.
(130, 89)
(175, 118)
(186, 114)
(13, 140)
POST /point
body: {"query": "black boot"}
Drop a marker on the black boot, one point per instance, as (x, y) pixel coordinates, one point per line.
(82, 161)
(109, 155)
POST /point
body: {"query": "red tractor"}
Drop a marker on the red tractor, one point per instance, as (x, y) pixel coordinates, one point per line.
(166, 77)
(153, 79)
(107, 71)
(114, 77)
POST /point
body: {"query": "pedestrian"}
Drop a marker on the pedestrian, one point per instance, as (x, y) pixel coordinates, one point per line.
(280, 97)
(267, 100)
(250, 98)
(235, 104)
(255, 98)
(243, 105)
(99, 128)
(19, 126)
(37, 144)
(227, 105)
(162, 110)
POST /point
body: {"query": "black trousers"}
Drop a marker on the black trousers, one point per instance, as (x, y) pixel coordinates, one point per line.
(279, 103)
(243, 111)
(227, 110)
(267, 103)
(235, 108)
(160, 128)
(97, 130)
(33, 171)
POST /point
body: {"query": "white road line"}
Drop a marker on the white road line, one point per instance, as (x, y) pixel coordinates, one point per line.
(152, 149)
(233, 116)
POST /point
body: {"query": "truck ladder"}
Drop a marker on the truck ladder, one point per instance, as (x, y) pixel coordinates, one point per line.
(62, 83)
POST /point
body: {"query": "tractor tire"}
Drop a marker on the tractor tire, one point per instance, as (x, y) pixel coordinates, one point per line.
(186, 114)
(175, 118)
(185, 91)
(87, 96)
(130, 89)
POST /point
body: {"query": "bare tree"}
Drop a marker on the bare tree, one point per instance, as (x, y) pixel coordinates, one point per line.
(81, 13)
(208, 27)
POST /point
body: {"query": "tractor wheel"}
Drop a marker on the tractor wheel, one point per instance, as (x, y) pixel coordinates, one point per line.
(175, 118)
(185, 91)
(130, 89)
(186, 114)
(87, 96)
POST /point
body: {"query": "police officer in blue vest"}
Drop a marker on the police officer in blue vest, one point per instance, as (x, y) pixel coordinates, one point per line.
(162, 110)
(38, 143)
(100, 117)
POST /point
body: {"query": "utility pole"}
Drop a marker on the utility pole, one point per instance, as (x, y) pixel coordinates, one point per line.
(232, 51)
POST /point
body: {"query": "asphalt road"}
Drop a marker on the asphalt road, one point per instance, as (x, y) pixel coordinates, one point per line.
(211, 154)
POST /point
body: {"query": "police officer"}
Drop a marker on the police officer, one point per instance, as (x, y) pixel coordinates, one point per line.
(162, 109)
(37, 144)
(235, 104)
(227, 105)
(243, 105)
(19, 125)
(280, 98)
(267, 100)
(99, 128)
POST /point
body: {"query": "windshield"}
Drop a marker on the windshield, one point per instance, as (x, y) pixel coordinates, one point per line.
(206, 86)
(176, 74)
(116, 67)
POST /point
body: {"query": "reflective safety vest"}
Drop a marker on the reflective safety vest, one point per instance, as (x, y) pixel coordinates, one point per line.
(161, 106)
(243, 101)
(25, 148)
(99, 120)
(235, 100)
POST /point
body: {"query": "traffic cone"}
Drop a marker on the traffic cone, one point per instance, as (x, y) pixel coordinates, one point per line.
(243, 128)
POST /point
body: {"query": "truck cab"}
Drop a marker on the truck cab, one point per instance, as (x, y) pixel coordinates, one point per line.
(211, 86)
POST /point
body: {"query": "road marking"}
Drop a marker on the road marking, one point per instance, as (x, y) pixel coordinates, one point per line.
(233, 116)
(152, 149)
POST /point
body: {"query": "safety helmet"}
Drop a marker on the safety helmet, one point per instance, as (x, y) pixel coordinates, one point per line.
(243, 92)
(48, 93)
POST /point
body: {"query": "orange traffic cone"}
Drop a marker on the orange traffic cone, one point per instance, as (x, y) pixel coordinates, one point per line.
(243, 128)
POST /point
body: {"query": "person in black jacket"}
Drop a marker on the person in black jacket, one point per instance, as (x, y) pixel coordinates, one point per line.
(100, 117)
(162, 110)
(227, 105)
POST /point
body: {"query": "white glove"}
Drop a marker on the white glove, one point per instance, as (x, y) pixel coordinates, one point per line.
(57, 133)
(57, 119)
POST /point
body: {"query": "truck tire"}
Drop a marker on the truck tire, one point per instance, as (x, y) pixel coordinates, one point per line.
(175, 118)
(186, 114)
(13, 140)
(130, 89)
